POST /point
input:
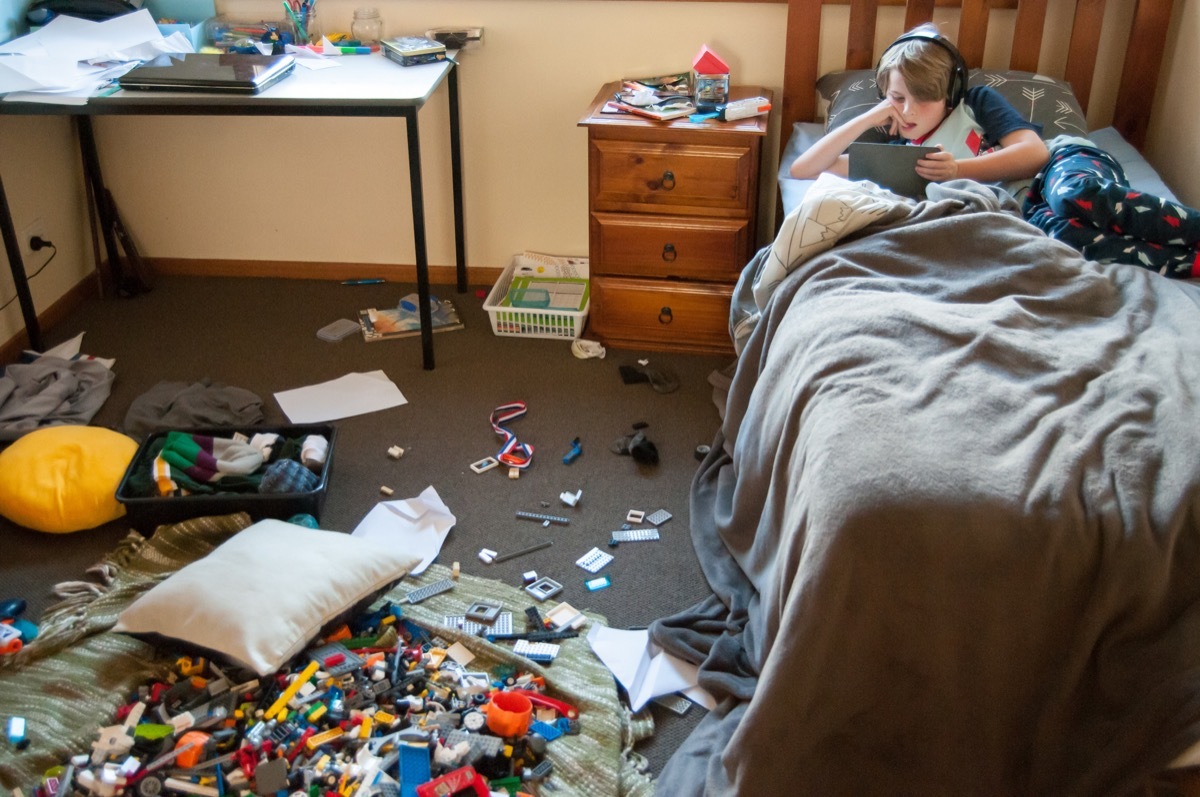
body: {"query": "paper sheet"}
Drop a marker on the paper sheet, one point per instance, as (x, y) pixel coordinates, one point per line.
(645, 670)
(346, 396)
(418, 525)
(71, 58)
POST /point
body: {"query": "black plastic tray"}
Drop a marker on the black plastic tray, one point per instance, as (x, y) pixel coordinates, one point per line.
(146, 513)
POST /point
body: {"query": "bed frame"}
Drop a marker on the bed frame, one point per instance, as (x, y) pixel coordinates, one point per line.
(1143, 49)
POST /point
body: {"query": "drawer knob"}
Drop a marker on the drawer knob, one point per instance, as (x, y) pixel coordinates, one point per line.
(668, 180)
(668, 253)
(664, 316)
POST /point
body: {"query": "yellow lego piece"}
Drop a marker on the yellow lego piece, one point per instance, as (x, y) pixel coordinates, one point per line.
(324, 737)
(292, 689)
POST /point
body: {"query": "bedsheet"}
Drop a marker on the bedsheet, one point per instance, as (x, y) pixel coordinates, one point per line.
(950, 522)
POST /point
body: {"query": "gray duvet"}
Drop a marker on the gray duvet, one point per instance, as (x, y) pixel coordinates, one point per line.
(951, 524)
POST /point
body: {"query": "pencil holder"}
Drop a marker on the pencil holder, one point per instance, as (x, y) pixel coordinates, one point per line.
(312, 25)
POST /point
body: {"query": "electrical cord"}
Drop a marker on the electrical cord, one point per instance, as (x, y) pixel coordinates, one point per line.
(36, 244)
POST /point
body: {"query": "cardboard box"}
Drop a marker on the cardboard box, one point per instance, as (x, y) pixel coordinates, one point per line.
(145, 513)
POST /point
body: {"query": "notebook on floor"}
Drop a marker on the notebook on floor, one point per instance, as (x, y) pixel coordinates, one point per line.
(235, 73)
(891, 166)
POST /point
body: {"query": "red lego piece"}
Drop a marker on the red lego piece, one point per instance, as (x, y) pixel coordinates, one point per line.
(454, 783)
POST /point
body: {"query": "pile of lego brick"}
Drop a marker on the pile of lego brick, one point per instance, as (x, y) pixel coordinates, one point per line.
(378, 708)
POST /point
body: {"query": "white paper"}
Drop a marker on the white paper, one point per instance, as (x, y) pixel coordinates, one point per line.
(417, 525)
(646, 671)
(72, 58)
(346, 396)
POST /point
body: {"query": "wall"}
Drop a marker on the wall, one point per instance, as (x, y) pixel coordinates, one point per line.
(311, 191)
(1174, 137)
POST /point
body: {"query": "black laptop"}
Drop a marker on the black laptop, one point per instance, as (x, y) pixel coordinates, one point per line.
(891, 166)
(228, 73)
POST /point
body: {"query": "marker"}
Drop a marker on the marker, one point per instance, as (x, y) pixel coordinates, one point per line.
(374, 281)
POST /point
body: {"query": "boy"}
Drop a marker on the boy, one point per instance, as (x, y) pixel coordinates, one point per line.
(1082, 198)
(924, 99)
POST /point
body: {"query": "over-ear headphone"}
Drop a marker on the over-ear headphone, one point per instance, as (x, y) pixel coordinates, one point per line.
(959, 74)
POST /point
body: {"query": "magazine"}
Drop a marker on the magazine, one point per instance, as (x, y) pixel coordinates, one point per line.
(404, 321)
(662, 111)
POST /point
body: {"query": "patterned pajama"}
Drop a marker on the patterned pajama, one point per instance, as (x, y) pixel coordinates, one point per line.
(1081, 198)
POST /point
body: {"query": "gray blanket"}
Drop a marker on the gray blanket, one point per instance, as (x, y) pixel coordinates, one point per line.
(951, 524)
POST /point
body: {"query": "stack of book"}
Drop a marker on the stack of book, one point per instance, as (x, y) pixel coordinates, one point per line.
(413, 50)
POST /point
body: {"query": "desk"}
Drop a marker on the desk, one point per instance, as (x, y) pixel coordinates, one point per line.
(364, 85)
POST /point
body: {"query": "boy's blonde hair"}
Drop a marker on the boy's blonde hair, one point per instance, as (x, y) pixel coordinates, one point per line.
(927, 68)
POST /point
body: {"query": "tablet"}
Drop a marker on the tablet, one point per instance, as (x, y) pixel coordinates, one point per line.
(890, 166)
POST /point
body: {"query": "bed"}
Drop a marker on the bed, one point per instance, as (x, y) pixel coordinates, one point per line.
(951, 520)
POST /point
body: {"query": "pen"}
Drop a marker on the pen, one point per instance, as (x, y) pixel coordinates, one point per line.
(373, 281)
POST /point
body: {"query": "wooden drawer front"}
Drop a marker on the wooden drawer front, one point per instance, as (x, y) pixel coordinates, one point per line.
(669, 246)
(680, 316)
(682, 178)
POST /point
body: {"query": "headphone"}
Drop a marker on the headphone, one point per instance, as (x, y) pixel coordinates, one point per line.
(959, 74)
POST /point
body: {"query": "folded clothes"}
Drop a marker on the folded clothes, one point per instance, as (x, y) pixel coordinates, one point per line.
(190, 460)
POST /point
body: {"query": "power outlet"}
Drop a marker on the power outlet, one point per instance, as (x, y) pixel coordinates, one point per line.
(35, 229)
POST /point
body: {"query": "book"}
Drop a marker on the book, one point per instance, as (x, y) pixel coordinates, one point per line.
(662, 111)
(404, 321)
(413, 50)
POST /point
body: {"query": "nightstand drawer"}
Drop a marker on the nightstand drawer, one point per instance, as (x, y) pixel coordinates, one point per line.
(686, 247)
(676, 178)
(680, 316)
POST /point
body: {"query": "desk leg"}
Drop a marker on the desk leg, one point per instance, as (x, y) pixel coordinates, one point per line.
(418, 211)
(20, 281)
(91, 173)
(460, 238)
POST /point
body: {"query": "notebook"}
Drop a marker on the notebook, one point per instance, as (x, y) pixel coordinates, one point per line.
(234, 73)
(891, 166)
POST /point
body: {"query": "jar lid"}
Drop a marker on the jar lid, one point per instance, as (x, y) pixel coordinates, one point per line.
(366, 12)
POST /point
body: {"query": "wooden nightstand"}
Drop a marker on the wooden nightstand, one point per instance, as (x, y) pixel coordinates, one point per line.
(674, 214)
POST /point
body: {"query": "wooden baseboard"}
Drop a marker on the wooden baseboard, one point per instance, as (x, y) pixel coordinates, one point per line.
(88, 287)
(85, 289)
(290, 269)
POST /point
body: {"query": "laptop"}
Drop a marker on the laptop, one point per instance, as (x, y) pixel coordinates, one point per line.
(223, 73)
(891, 166)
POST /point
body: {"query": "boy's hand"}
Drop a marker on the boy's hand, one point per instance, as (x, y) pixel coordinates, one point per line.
(938, 166)
(886, 116)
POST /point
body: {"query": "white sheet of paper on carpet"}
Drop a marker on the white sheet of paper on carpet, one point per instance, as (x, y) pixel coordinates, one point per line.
(646, 671)
(418, 525)
(346, 396)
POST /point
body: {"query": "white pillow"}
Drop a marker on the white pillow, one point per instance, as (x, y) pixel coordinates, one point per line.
(261, 596)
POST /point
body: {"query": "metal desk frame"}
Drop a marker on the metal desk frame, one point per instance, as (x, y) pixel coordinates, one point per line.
(368, 86)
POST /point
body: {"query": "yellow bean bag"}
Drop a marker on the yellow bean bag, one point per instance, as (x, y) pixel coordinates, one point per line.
(64, 478)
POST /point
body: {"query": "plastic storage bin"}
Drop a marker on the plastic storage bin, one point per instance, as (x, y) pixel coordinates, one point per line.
(537, 322)
(145, 513)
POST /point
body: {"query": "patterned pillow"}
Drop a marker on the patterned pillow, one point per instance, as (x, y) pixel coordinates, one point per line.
(1039, 99)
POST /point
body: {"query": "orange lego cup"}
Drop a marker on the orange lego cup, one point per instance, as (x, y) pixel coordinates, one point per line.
(509, 714)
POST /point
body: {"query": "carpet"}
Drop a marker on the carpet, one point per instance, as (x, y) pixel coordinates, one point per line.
(71, 680)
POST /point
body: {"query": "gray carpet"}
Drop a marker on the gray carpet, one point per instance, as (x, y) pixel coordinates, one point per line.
(260, 334)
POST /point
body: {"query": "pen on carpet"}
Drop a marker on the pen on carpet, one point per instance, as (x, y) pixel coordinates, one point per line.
(373, 281)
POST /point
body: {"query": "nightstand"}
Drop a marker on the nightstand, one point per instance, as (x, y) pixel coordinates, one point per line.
(674, 214)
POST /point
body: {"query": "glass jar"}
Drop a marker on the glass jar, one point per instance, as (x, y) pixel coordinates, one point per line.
(367, 26)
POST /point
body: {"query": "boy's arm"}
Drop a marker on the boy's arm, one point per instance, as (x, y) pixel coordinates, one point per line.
(1022, 153)
(826, 155)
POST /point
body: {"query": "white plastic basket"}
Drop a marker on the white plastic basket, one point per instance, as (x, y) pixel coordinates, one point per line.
(526, 322)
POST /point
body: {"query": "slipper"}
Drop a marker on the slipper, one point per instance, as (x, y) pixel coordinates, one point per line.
(662, 380)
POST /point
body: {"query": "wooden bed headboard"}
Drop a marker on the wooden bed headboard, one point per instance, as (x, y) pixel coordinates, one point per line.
(1144, 47)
